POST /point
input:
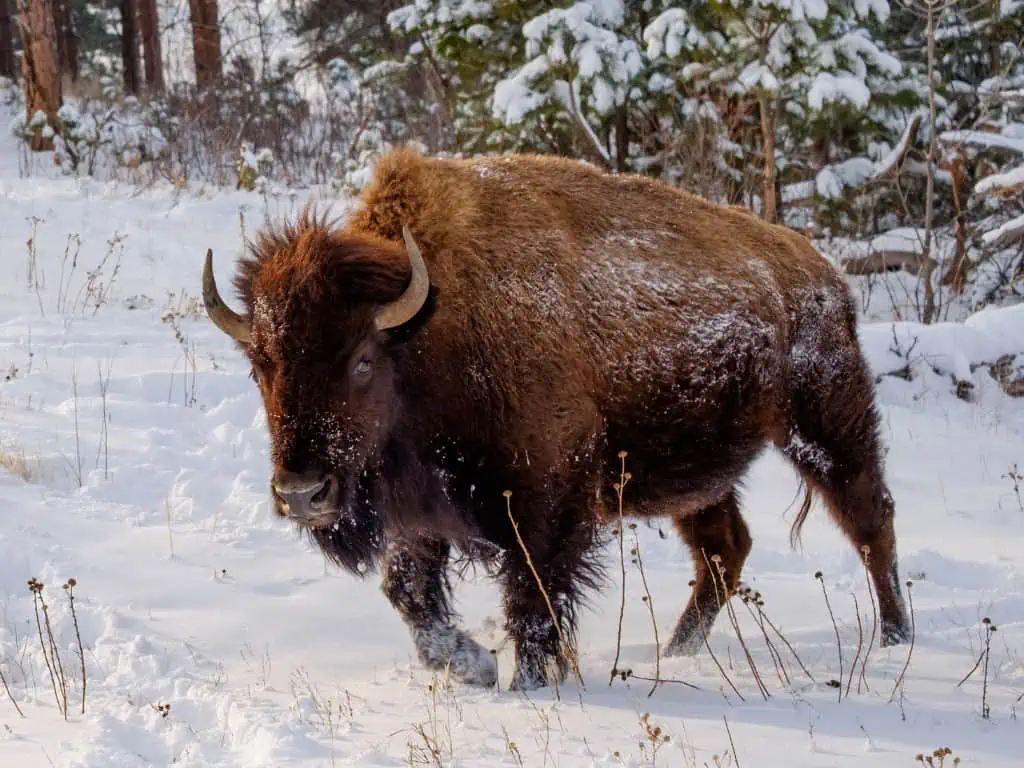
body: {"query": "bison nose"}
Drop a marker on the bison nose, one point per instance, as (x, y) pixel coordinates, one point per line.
(305, 494)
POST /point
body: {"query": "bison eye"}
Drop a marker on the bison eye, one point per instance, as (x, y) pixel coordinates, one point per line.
(364, 368)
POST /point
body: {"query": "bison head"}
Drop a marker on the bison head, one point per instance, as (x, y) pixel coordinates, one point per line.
(322, 307)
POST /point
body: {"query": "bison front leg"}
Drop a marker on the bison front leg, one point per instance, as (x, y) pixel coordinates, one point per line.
(415, 582)
(542, 622)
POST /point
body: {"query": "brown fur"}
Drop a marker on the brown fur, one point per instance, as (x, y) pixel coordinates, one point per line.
(573, 314)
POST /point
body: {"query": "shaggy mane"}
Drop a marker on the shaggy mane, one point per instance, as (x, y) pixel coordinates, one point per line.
(316, 256)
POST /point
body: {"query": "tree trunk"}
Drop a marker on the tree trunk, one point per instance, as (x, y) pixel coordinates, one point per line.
(997, 62)
(928, 268)
(151, 51)
(67, 40)
(205, 41)
(622, 137)
(39, 67)
(130, 46)
(770, 202)
(6, 39)
(956, 277)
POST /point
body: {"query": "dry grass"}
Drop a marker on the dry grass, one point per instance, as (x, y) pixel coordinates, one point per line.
(20, 464)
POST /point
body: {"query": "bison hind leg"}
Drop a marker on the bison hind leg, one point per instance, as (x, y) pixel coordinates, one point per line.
(719, 542)
(860, 503)
(834, 443)
(416, 584)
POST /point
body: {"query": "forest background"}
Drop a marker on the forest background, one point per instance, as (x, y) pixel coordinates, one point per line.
(891, 133)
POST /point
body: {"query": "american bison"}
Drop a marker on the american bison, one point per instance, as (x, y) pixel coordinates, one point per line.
(479, 326)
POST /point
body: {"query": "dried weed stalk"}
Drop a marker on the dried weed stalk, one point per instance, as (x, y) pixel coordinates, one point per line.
(650, 607)
(620, 486)
(983, 661)
(69, 587)
(913, 636)
(49, 646)
(839, 645)
(717, 569)
(866, 551)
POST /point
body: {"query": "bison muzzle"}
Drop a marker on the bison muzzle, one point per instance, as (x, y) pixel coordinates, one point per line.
(536, 326)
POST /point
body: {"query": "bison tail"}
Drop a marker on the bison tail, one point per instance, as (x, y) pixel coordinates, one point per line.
(801, 516)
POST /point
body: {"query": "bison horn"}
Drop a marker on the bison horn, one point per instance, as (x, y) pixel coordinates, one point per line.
(405, 307)
(225, 318)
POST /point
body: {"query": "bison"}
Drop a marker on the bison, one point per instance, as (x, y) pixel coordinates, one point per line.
(468, 364)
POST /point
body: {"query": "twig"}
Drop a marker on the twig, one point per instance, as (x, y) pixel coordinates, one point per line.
(704, 634)
(989, 629)
(780, 668)
(1015, 477)
(866, 551)
(650, 606)
(782, 637)
(62, 290)
(973, 669)
(78, 443)
(61, 679)
(10, 695)
(727, 603)
(860, 645)
(170, 536)
(913, 637)
(104, 446)
(619, 488)
(36, 588)
(70, 587)
(732, 744)
(33, 271)
(628, 674)
(839, 646)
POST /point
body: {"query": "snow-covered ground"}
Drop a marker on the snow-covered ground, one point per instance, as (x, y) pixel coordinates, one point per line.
(136, 463)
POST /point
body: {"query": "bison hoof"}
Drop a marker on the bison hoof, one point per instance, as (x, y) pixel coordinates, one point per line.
(467, 661)
(538, 672)
(893, 634)
(528, 680)
(687, 646)
(688, 639)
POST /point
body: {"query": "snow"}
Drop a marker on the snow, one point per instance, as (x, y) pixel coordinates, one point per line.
(880, 8)
(583, 36)
(800, 190)
(671, 33)
(911, 240)
(756, 75)
(895, 157)
(1006, 232)
(944, 349)
(150, 489)
(900, 240)
(983, 139)
(999, 181)
(833, 179)
(514, 97)
(428, 12)
(829, 88)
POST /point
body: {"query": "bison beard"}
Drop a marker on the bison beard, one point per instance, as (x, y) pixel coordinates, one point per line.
(557, 316)
(356, 539)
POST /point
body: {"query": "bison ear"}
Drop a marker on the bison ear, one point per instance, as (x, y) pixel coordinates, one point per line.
(405, 307)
